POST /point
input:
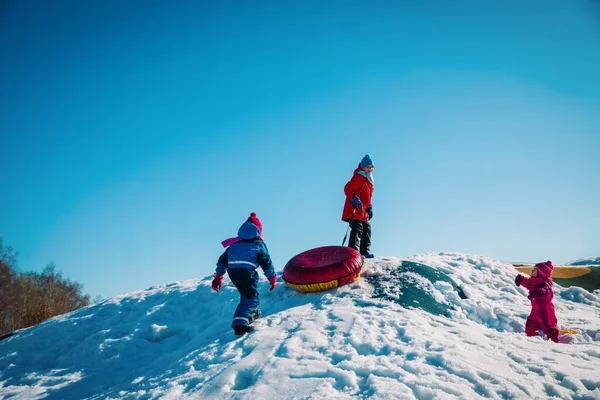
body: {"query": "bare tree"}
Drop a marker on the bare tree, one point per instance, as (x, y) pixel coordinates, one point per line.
(8, 262)
(28, 298)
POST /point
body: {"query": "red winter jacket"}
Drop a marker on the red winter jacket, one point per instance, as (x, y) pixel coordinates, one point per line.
(542, 309)
(358, 185)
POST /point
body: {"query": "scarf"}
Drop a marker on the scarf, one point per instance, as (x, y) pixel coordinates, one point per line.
(368, 175)
(228, 242)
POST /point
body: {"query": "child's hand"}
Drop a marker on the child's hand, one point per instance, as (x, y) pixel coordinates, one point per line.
(273, 282)
(356, 201)
(217, 282)
(519, 278)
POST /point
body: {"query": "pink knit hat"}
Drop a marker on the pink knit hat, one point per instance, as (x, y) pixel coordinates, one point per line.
(545, 268)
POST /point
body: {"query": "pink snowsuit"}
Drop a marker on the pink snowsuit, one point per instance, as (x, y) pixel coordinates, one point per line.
(542, 314)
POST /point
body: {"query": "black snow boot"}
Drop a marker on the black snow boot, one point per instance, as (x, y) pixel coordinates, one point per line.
(240, 330)
(256, 316)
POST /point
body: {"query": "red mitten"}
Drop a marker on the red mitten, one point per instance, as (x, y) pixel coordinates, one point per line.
(273, 282)
(217, 282)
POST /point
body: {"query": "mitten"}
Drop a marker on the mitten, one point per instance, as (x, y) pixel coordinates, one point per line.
(356, 201)
(217, 282)
(370, 211)
(519, 278)
(273, 282)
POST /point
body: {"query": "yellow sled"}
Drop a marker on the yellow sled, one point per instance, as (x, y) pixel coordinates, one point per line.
(571, 331)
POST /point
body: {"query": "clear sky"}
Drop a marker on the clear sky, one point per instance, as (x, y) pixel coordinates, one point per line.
(136, 135)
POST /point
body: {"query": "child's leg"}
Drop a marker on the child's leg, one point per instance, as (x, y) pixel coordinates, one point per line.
(355, 234)
(246, 282)
(548, 320)
(531, 326)
(365, 240)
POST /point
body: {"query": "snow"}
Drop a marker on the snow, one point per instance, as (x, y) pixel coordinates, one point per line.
(175, 341)
(586, 261)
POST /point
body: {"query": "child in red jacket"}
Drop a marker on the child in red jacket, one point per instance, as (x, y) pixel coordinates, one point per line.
(358, 209)
(542, 309)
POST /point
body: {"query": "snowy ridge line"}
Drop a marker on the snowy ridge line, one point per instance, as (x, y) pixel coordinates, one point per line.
(587, 261)
(175, 341)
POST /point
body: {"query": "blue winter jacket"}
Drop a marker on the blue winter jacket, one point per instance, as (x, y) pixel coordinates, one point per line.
(250, 253)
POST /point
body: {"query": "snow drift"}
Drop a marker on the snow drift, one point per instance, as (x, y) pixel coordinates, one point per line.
(586, 261)
(175, 341)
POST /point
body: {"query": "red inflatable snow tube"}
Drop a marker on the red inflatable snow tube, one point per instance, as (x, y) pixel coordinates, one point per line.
(323, 268)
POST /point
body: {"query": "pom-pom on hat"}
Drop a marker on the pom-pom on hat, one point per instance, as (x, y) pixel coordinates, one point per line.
(254, 219)
(545, 268)
(367, 160)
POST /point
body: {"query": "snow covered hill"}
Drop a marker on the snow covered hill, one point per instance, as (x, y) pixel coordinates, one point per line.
(175, 341)
(586, 261)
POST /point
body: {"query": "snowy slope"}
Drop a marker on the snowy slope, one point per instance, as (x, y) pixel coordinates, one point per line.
(175, 341)
(586, 261)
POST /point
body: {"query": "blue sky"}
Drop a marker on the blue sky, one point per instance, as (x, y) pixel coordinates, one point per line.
(136, 135)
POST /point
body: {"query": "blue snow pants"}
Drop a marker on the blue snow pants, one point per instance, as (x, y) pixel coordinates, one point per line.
(246, 282)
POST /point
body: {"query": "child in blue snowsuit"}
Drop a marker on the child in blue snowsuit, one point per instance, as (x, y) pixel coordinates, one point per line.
(244, 254)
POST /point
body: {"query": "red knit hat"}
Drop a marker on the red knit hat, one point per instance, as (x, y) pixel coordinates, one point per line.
(254, 219)
(545, 268)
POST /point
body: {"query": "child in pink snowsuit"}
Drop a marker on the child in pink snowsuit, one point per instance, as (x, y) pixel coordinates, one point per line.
(542, 309)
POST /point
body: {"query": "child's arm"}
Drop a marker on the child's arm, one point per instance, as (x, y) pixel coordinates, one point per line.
(264, 260)
(522, 280)
(541, 292)
(352, 187)
(222, 263)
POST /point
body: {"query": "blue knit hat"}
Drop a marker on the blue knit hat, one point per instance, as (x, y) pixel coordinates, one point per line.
(367, 160)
